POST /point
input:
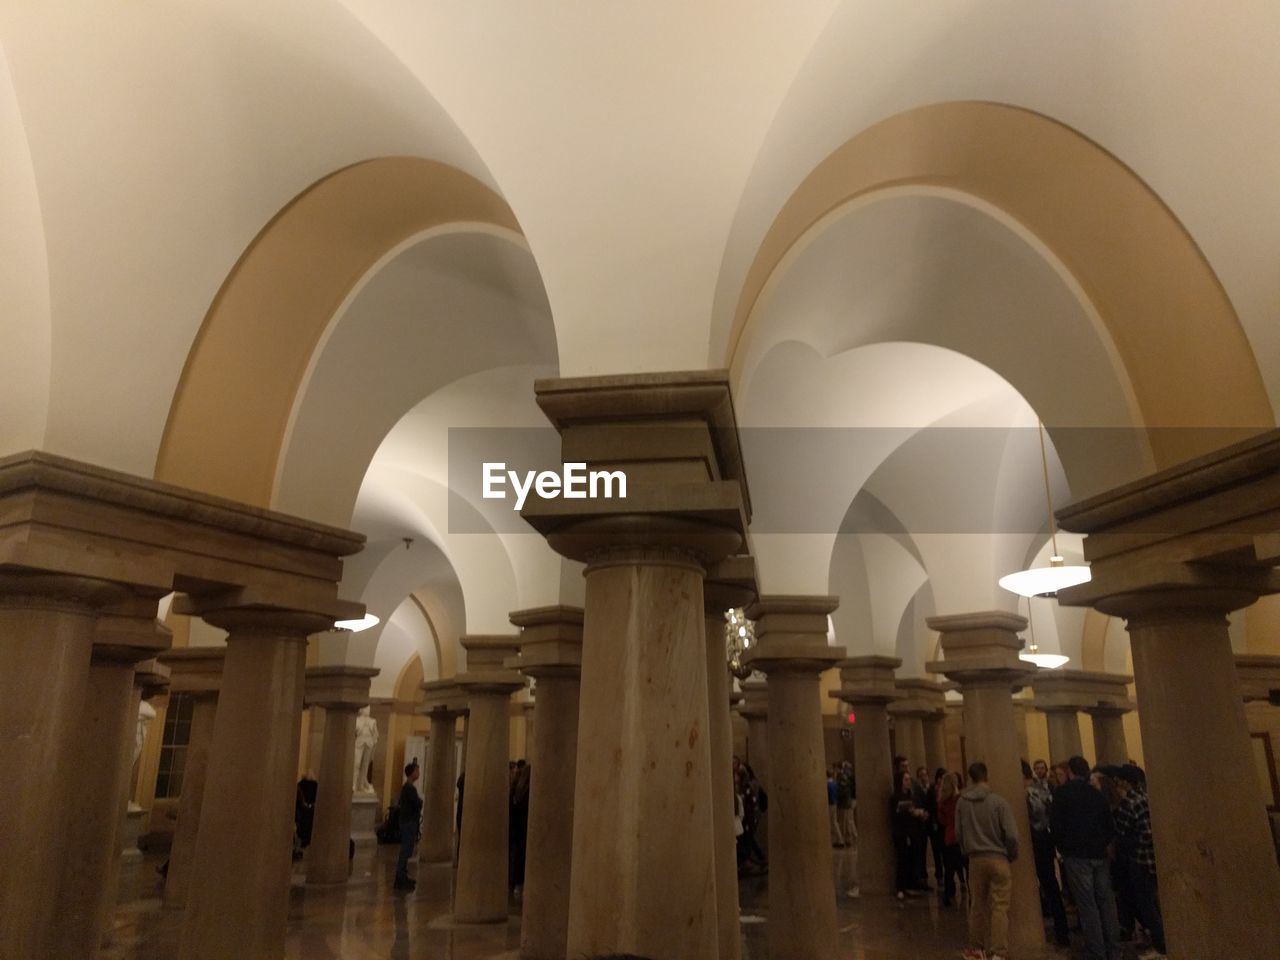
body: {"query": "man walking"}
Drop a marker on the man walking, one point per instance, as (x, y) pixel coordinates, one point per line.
(1134, 843)
(1082, 829)
(410, 812)
(987, 835)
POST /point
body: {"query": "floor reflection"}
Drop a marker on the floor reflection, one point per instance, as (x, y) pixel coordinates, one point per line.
(367, 919)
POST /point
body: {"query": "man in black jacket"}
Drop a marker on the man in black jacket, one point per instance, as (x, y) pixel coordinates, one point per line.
(410, 812)
(1082, 829)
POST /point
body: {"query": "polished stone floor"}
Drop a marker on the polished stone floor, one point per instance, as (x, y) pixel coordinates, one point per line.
(366, 919)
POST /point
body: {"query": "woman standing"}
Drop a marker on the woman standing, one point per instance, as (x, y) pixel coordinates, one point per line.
(948, 796)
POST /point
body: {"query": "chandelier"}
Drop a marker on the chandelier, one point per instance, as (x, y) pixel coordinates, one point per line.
(1050, 661)
(739, 636)
(1046, 581)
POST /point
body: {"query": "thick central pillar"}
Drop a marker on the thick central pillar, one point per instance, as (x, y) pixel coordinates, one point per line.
(867, 685)
(1064, 732)
(551, 653)
(197, 672)
(980, 653)
(480, 895)
(96, 797)
(792, 650)
(341, 691)
(643, 875)
(239, 894)
(46, 637)
(730, 584)
(445, 703)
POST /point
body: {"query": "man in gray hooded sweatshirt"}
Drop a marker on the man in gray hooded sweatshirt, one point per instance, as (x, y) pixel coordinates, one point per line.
(987, 835)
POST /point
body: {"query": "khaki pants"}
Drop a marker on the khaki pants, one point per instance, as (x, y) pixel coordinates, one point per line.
(848, 826)
(836, 836)
(989, 887)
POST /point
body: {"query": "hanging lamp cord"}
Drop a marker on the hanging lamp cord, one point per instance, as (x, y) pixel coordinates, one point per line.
(1048, 496)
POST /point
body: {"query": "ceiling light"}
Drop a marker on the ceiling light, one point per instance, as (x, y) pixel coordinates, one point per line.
(1058, 575)
(1050, 661)
(355, 626)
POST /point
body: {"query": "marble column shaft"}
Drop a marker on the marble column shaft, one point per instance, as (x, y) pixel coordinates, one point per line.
(238, 900)
(46, 635)
(792, 651)
(1208, 840)
(94, 805)
(342, 690)
(196, 671)
(935, 744)
(909, 738)
(1064, 733)
(480, 894)
(551, 653)
(980, 653)
(867, 685)
(1110, 745)
(440, 779)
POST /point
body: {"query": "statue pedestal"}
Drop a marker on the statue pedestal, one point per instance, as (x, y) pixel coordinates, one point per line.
(132, 831)
(365, 817)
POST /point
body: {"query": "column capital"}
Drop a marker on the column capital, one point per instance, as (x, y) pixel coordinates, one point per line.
(195, 669)
(867, 680)
(444, 699)
(791, 634)
(151, 677)
(1081, 691)
(920, 697)
(260, 620)
(1199, 539)
(550, 641)
(730, 582)
(1259, 677)
(675, 438)
(755, 699)
(338, 687)
(981, 648)
(130, 637)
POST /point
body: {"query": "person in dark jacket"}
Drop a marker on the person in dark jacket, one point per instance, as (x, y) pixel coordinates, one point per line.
(1039, 803)
(906, 818)
(1082, 829)
(410, 811)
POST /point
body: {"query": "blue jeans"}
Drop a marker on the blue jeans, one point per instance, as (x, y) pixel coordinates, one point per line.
(408, 837)
(1090, 882)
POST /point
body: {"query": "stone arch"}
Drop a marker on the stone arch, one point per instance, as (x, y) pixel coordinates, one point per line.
(232, 406)
(1175, 329)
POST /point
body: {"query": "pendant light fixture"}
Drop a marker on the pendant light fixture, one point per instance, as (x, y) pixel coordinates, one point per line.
(1050, 661)
(1046, 581)
(355, 626)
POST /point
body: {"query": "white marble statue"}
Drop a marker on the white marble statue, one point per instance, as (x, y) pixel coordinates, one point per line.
(146, 713)
(366, 740)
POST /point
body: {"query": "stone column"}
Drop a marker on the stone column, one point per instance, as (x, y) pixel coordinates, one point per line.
(908, 726)
(1173, 554)
(867, 685)
(792, 651)
(980, 653)
(1064, 732)
(444, 704)
(238, 899)
(1064, 694)
(46, 636)
(730, 583)
(382, 709)
(196, 671)
(315, 739)
(480, 895)
(341, 691)
(755, 708)
(551, 653)
(95, 796)
(1021, 709)
(1110, 746)
(643, 876)
(935, 742)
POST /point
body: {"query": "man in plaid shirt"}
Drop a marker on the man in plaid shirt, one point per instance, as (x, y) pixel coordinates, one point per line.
(1134, 843)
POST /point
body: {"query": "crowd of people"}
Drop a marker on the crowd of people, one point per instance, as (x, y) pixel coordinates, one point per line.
(1090, 839)
(750, 803)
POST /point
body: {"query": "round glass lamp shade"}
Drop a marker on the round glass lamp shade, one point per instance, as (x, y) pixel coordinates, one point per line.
(355, 626)
(1045, 581)
(1050, 661)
